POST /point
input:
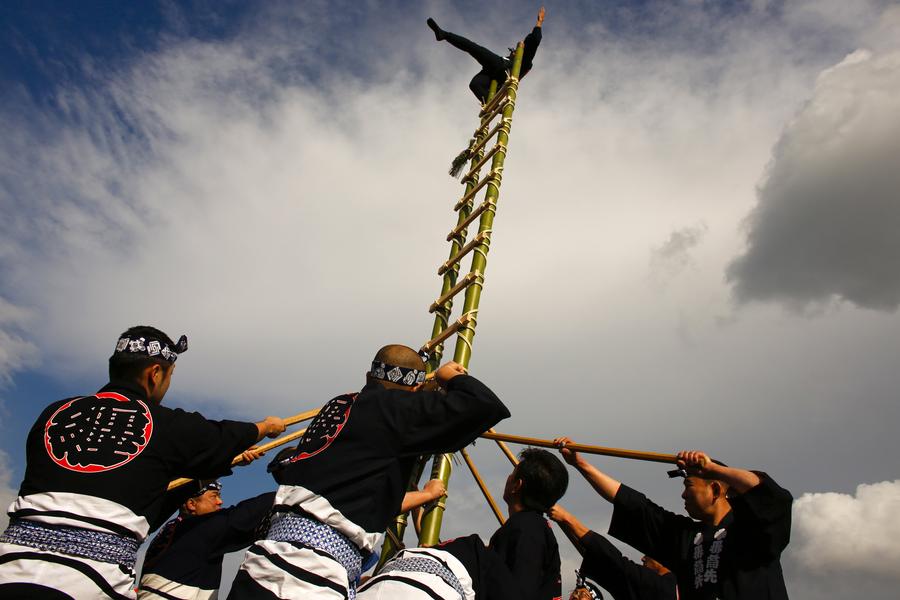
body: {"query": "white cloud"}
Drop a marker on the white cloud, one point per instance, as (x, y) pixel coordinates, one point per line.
(828, 212)
(16, 353)
(837, 534)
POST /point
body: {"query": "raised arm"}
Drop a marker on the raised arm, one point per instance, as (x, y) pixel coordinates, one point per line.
(605, 485)
(571, 526)
(698, 463)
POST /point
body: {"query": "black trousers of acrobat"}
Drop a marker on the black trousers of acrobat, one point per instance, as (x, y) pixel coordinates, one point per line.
(493, 66)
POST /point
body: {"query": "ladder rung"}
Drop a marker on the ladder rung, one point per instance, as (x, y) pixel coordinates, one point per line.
(466, 282)
(471, 194)
(491, 115)
(465, 250)
(474, 215)
(487, 156)
(460, 323)
(497, 99)
(487, 137)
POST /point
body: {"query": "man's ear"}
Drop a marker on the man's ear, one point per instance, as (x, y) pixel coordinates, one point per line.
(717, 490)
(517, 485)
(156, 373)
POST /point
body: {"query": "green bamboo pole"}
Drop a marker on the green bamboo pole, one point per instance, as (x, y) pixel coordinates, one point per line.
(431, 523)
(442, 313)
(388, 547)
(441, 319)
(479, 259)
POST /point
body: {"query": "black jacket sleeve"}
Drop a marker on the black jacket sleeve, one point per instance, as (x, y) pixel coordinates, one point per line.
(201, 448)
(531, 42)
(650, 528)
(624, 579)
(242, 521)
(433, 422)
(763, 515)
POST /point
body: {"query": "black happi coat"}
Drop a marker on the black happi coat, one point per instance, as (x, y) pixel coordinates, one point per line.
(756, 531)
(359, 452)
(124, 449)
(526, 544)
(622, 578)
(491, 578)
(191, 552)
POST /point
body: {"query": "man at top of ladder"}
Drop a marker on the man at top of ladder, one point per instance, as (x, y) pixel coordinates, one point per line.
(493, 66)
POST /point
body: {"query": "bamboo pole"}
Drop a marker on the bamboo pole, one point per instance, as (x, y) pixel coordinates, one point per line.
(509, 454)
(239, 458)
(299, 418)
(618, 452)
(442, 314)
(398, 528)
(479, 258)
(487, 494)
(431, 522)
(441, 309)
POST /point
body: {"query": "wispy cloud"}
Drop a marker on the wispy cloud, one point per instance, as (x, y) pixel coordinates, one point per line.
(16, 353)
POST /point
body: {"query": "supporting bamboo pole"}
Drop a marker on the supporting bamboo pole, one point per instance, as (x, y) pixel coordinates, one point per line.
(487, 494)
(509, 454)
(299, 418)
(618, 452)
(431, 523)
(237, 460)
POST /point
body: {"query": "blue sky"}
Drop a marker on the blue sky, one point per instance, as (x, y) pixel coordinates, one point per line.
(696, 224)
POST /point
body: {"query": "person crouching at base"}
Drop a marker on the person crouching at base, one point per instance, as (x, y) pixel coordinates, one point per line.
(184, 560)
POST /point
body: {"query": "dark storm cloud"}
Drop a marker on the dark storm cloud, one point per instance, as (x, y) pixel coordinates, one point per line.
(826, 223)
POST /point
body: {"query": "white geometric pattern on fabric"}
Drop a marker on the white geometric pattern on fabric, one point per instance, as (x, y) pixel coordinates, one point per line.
(72, 541)
(287, 527)
(429, 565)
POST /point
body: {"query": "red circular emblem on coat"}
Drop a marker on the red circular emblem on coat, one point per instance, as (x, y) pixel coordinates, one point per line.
(98, 433)
(325, 428)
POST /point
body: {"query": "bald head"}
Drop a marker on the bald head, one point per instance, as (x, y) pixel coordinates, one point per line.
(397, 355)
(401, 356)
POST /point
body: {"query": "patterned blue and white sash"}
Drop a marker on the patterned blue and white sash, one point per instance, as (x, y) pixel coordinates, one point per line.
(73, 541)
(290, 527)
(425, 564)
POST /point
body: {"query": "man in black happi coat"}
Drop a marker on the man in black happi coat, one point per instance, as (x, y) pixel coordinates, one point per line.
(184, 560)
(348, 476)
(493, 66)
(522, 562)
(526, 543)
(97, 472)
(730, 547)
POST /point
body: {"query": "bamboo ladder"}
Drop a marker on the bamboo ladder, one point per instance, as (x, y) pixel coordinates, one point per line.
(501, 103)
